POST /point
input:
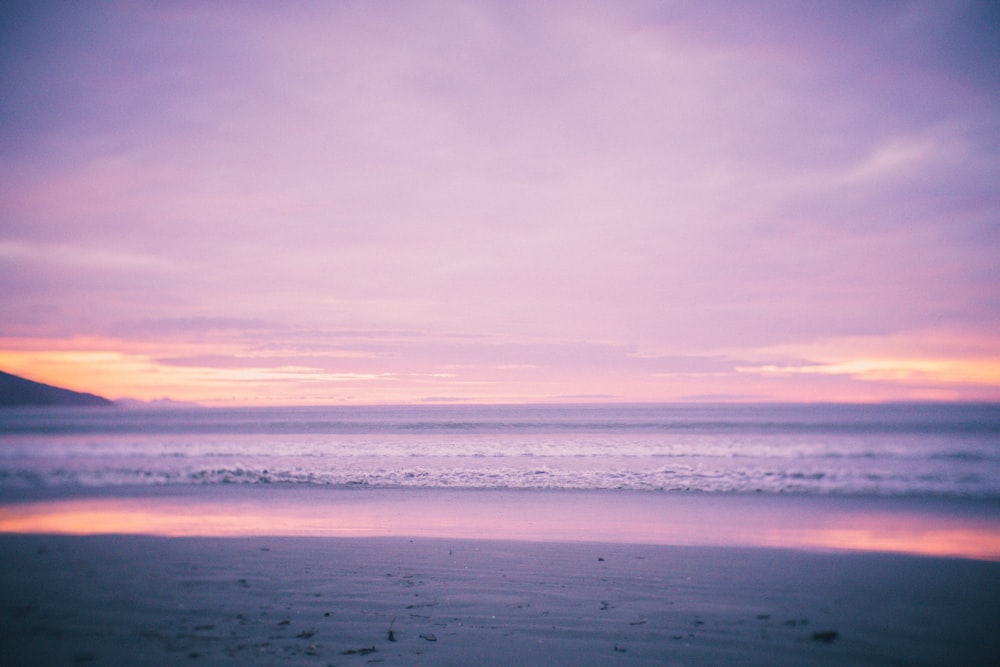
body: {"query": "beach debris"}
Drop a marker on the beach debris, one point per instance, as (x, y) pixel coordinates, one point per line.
(305, 634)
(390, 635)
(826, 637)
(285, 622)
(600, 560)
(23, 610)
(640, 621)
(359, 651)
(605, 605)
(429, 637)
(620, 649)
(421, 606)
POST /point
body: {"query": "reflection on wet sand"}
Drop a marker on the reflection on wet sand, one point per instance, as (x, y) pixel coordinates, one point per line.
(571, 517)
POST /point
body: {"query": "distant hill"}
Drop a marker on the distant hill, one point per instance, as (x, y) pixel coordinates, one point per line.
(17, 391)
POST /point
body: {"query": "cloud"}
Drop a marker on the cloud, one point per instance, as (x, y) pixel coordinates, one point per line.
(195, 325)
(445, 399)
(660, 189)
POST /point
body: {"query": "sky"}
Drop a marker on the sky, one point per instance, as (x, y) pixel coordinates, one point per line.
(357, 202)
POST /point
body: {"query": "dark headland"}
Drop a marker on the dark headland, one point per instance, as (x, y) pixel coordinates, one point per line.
(17, 391)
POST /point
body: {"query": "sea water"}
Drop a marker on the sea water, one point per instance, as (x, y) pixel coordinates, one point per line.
(949, 450)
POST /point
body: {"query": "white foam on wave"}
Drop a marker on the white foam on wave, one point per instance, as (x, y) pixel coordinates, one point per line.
(837, 449)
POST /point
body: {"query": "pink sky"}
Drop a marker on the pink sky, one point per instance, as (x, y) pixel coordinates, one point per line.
(381, 202)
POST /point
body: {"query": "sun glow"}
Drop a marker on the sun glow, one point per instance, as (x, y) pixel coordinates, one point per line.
(945, 371)
(137, 372)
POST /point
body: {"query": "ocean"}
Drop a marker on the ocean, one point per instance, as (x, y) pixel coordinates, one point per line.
(905, 449)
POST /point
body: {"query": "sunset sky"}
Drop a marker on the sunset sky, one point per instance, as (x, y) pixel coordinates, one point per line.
(502, 201)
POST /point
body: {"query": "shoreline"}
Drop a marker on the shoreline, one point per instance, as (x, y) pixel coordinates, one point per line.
(947, 527)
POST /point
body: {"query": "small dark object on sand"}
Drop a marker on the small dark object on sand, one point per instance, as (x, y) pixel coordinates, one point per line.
(390, 635)
(359, 651)
(827, 637)
(429, 637)
(620, 649)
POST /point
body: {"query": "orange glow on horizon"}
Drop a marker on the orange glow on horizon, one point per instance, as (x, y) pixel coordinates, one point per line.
(226, 370)
(942, 371)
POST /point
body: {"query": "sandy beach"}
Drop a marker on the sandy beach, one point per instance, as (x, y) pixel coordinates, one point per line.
(126, 600)
(488, 334)
(117, 599)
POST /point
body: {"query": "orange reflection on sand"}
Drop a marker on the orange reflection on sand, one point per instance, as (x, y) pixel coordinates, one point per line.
(169, 518)
(548, 517)
(927, 536)
(958, 542)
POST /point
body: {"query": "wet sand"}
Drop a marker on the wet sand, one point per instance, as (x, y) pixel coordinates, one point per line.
(925, 526)
(525, 594)
(126, 600)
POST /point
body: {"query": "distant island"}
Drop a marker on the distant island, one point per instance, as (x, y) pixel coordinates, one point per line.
(155, 404)
(20, 392)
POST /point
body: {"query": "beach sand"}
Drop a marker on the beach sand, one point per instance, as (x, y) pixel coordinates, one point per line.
(115, 599)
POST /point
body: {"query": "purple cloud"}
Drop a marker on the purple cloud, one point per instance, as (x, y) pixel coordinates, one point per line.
(615, 187)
